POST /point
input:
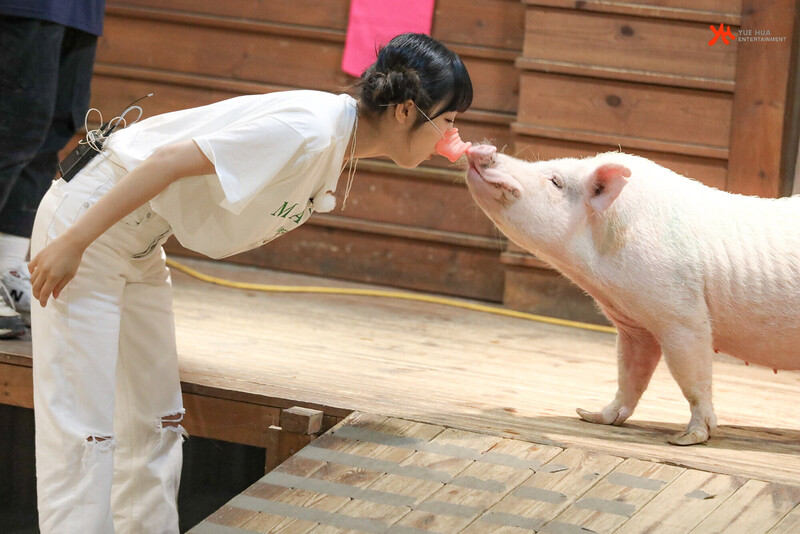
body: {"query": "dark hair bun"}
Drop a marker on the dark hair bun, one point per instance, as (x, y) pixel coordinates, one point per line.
(414, 66)
(393, 87)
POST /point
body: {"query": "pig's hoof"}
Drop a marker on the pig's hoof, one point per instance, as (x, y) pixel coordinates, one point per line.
(690, 437)
(592, 417)
(606, 417)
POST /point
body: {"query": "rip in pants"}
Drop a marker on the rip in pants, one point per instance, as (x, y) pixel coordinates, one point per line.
(94, 445)
(172, 423)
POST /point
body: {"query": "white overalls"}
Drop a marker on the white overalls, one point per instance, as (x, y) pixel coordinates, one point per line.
(107, 395)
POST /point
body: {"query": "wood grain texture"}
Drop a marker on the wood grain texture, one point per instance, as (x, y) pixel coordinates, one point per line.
(682, 505)
(583, 470)
(237, 422)
(755, 508)
(789, 524)
(468, 370)
(648, 117)
(757, 133)
(265, 522)
(16, 383)
(628, 46)
(390, 475)
(589, 510)
(543, 291)
(356, 477)
(489, 23)
(727, 11)
(331, 14)
(443, 205)
(222, 52)
(384, 258)
(506, 478)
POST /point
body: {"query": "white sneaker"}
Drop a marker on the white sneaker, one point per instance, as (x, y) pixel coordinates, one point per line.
(18, 285)
(11, 323)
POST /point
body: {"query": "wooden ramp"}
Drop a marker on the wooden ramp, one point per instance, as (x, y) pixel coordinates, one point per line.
(376, 474)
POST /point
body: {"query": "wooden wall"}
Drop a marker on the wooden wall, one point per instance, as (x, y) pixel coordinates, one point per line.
(552, 78)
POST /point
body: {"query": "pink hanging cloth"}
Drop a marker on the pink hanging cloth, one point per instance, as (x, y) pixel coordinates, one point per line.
(373, 23)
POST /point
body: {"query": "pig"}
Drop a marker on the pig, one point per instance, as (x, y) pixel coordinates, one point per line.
(681, 269)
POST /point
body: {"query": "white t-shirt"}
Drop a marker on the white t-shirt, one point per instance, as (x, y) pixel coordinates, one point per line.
(273, 155)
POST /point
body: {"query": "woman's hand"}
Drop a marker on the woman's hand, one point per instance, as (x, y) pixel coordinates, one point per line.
(58, 262)
(53, 268)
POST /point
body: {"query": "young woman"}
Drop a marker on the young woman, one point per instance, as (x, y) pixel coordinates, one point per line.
(223, 178)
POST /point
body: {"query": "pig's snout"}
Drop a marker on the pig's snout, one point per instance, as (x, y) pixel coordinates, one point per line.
(481, 156)
(488, 177)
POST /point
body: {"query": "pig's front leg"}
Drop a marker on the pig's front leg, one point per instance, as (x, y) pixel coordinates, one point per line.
(638, 353)
(689, 355)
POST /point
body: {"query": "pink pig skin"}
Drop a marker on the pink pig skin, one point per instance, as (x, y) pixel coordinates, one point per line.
(681, 269)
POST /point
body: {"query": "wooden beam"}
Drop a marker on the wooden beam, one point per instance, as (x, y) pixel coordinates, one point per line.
(299, 427)
(16, 385)
(227, 420)
(760, 100)
(301, 420)
(556, 67)
(691, 10)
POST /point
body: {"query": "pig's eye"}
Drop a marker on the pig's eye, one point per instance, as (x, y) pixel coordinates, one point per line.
(556, 181)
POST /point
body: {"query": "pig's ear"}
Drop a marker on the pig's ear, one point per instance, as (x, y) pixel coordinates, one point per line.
(605, 185)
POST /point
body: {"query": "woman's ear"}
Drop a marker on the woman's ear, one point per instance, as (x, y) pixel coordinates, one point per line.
(402, 112)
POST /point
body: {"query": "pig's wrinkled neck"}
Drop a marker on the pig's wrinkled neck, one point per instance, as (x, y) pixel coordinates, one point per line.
(559, 257)
(581, 273)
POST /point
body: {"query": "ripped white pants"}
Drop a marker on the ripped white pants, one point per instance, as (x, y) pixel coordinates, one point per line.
(107, 398)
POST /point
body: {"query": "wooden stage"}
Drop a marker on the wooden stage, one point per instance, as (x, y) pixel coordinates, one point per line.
(246, 355)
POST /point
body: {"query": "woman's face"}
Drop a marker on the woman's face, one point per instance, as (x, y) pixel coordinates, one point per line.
(419, 144)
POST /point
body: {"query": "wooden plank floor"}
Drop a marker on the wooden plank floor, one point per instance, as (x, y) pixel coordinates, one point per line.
(387, 475)
(465, 370)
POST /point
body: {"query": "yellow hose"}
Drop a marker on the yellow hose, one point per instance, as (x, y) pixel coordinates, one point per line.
(386, 294)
